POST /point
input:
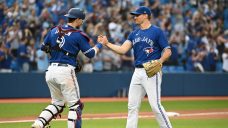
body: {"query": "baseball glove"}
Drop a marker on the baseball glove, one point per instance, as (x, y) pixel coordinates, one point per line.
(78, 67)
(46, 48)
(152, 67)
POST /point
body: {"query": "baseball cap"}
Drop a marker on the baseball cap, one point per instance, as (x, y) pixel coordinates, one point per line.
(142, 10)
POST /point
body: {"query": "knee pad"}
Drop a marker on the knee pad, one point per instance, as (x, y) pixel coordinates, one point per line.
(49, 113)
(74, 115)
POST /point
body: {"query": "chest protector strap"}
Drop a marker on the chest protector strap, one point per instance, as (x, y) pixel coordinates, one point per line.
(61, 33)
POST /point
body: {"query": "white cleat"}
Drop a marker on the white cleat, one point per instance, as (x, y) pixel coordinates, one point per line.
(35, 125)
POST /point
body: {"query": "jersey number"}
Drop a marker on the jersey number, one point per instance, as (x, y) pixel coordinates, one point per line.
(60, 41)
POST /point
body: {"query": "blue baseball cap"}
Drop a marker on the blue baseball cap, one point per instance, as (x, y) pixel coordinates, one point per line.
(142, 10)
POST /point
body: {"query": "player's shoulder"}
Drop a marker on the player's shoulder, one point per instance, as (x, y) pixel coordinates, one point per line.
(135, 31)
(85, 36)
(53, 30)
(156, 28)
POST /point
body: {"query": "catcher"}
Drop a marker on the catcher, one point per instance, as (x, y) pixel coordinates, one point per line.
(151, 49)
(63, 43)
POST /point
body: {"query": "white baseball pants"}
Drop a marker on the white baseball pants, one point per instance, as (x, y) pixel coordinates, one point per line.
(139, 87)
(63, 84)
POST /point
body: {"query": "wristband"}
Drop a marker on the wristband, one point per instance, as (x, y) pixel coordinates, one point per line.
(99, 45)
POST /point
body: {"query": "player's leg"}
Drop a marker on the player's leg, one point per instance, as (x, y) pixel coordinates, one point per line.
(74, 115)
(153, 90)
(52, 110)
(135, 95)
(49, 113)
(71, 93)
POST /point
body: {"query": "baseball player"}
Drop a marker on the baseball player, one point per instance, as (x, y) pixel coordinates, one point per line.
(150, 48)
(63, 43)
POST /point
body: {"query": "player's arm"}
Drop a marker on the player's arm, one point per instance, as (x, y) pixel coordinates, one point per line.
(87, 50)
(163, 42)
(122, 49)
(165, 54)
(45, 46)
(92, 51)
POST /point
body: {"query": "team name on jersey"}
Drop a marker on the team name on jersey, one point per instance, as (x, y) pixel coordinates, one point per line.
(144, 39)
(136, 40)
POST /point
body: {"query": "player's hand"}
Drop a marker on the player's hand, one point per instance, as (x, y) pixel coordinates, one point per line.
(152, 67)
(104, 40)
(100, 39)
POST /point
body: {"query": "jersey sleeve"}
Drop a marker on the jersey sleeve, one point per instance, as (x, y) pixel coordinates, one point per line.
(86, 49)
(130, 37)
(162, 40)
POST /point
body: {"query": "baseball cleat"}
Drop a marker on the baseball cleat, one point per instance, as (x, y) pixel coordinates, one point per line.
(35, 125)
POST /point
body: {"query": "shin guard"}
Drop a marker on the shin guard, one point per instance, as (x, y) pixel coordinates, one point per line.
(49, 113)
(74, 115)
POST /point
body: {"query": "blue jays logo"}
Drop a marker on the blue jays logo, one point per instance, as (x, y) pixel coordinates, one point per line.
(148, 50)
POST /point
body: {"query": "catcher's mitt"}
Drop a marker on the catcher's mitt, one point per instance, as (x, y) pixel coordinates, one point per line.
(46, 48)
(78, 67)
(152, 67)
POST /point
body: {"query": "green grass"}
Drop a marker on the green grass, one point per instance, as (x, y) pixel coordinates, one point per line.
(13, 110)
(10, 110)
(143, 123)
(196, 105)
(200, 123)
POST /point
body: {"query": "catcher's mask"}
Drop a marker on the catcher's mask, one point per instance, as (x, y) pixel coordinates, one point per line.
(76, 13)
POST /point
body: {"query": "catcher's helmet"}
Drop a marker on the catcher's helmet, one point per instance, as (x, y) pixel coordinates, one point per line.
(76, 13)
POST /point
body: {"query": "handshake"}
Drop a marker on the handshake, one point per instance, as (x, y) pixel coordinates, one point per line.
(102, 39)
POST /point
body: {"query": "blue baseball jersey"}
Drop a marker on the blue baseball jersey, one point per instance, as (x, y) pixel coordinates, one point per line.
(70, 42)
(148, 44)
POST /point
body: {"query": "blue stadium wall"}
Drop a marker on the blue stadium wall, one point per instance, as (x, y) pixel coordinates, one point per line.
(109, 84)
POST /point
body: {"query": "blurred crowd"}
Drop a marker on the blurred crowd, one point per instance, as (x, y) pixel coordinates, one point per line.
(197, 31)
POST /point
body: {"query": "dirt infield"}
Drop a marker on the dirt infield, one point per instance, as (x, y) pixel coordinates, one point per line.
(112, 99)
(196, 114)
(221, 114)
